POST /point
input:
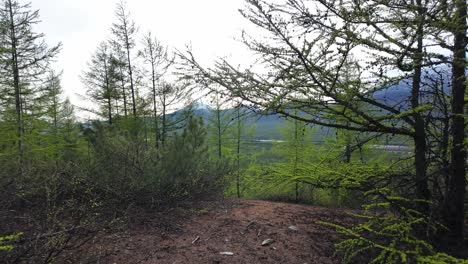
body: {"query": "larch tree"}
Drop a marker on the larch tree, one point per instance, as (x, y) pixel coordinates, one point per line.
(124, 31)
(53, 103)
(60, 116)
(220, 121)
(297, 150)
(100, 80)
(171, 97)
(455, 200)
(155, 55)
(239, 132)
(25, 60)
(118, 62)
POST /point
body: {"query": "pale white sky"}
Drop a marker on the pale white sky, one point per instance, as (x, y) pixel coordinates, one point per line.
(210, 26)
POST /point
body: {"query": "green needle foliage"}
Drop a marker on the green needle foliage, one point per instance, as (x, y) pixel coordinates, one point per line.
(390, 232)
(5, 240)
(296, 152)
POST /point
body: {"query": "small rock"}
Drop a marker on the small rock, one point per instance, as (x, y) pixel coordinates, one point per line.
(268, 242)
(293, 228)
(226, 253)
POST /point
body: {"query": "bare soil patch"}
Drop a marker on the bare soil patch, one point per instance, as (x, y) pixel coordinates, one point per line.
(233, 226)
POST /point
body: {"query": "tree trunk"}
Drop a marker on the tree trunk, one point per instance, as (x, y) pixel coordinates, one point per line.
(419, 139)
(108, 95)
(16, 85)
(164, 128)
(296, 158)
(238, 151)
(218, 116)
(155, 110)
(130, 75)
(348, 151)
(124, 94)
(454, 213)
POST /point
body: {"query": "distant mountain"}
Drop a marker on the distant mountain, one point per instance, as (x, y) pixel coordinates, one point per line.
(267, 127)
(399, 95)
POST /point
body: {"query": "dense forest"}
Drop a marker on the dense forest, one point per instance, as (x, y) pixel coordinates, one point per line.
(350, 104)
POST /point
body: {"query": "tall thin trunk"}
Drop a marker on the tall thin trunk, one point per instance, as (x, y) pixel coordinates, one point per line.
(109, 109)
(146, 132)
(348, 151)
(16, 85)
(108, 93)
(124, 93)
(164, 128)
(155, 107)
(116, 106)
(445, 139)
(296, 158)
(218, 116)
(55, 125)
(130, 75)
(422, 187)
(238, 151)
(455, 213)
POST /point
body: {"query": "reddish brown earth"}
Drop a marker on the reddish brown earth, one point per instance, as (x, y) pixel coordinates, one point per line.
(237, 226)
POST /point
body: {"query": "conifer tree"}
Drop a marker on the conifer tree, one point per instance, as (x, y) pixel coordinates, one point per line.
(100, 80)
(220, 120)
(118, 63)
(172, 96)
(124, 31)
(156, 57)
(454, 212)
(24, 62)
(296, 151)
(239, 133)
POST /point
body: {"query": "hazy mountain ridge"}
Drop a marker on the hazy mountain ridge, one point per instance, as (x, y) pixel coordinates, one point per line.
(268, 126)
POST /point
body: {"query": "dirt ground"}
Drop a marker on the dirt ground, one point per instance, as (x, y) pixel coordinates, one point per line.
(235, 226)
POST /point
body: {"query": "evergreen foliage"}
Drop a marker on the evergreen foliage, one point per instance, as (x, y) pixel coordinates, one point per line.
(297, 153)
(5, 239)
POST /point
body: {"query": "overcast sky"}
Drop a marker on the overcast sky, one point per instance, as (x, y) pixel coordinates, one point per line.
(210, 26)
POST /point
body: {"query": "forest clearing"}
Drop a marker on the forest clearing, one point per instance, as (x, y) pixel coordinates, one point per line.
(202, 235)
